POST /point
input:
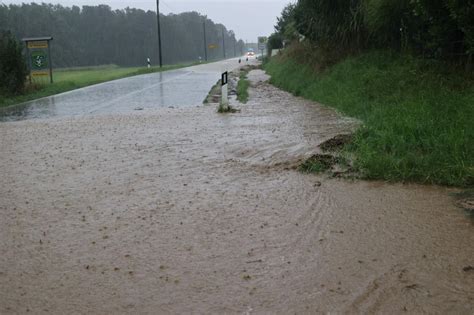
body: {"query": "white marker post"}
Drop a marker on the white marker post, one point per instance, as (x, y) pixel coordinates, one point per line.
(225, 96)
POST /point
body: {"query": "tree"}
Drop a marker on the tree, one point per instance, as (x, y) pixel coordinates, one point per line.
(275, 41)
(330, 23)
(441, 29)
(287, 17)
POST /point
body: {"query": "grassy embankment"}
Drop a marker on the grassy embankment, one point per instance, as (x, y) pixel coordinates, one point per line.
(74, 78)
(418, 116)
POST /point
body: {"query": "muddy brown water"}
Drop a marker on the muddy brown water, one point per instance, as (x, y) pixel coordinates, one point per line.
(189, 211)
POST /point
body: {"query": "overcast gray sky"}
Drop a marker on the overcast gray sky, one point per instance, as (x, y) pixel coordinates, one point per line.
(248, 18)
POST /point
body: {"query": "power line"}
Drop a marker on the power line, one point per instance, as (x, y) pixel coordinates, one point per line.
(167, 5)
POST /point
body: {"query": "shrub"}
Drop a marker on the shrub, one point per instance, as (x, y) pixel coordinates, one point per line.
(13, 69)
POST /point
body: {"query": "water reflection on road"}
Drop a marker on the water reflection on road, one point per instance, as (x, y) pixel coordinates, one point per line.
(177, 88)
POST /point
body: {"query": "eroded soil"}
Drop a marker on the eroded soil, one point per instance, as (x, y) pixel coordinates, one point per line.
(187, 210)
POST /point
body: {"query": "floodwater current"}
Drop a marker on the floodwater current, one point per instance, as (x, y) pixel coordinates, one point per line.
(188, 211)
(156, 90)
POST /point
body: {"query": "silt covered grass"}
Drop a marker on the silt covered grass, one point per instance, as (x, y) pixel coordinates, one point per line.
(418, 116)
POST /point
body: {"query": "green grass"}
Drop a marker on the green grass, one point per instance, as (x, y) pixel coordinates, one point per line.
(418, 116)
(243, 88)
(74, 78)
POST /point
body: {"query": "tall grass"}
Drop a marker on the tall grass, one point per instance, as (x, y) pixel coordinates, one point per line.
(418, 116)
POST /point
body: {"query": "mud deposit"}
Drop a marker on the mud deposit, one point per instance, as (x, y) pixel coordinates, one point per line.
(189, 211)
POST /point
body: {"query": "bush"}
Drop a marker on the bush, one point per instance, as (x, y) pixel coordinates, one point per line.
(13, 69)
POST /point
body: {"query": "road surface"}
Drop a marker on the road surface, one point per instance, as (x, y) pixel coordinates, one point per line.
(177, 88)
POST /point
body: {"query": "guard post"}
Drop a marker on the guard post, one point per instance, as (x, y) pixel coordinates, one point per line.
(224, 86)
(38, 51)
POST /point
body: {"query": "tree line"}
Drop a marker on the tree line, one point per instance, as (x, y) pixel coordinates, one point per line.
(98, 35)
(439, 29)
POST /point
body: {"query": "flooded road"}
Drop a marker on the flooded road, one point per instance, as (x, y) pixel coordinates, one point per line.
(186, 87)
(188, 211)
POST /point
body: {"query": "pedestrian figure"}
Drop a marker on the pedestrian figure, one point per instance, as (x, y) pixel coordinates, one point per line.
(148, 61)
(240, 60)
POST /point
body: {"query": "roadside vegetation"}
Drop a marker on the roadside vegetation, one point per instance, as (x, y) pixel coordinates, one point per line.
(13, 68)
(404, 68)
(417, 118)
(243, 88)
(71, 79)
(227, 109)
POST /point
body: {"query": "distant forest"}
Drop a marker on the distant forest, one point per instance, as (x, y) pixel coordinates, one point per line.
(98, 35)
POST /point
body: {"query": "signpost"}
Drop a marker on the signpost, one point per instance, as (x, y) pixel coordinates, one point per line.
(39, 57)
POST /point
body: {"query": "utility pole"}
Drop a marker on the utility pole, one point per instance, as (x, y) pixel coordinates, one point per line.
(223, 40)
(235, 51)
(159, 32)
(205, 39)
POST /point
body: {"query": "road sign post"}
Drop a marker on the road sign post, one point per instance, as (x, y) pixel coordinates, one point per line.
(39, 57)
(262, 44)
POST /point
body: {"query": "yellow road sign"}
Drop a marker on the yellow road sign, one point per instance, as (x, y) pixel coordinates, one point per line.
(38, 45)
(39, 73)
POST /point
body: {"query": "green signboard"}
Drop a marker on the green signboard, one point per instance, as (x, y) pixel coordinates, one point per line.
(262, 42)
(39, 60)
(39, 57)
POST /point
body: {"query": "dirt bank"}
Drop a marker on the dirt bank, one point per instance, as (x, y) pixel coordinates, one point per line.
(186, 210)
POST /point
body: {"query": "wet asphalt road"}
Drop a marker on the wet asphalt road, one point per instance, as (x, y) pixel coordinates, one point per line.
(177, 88)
